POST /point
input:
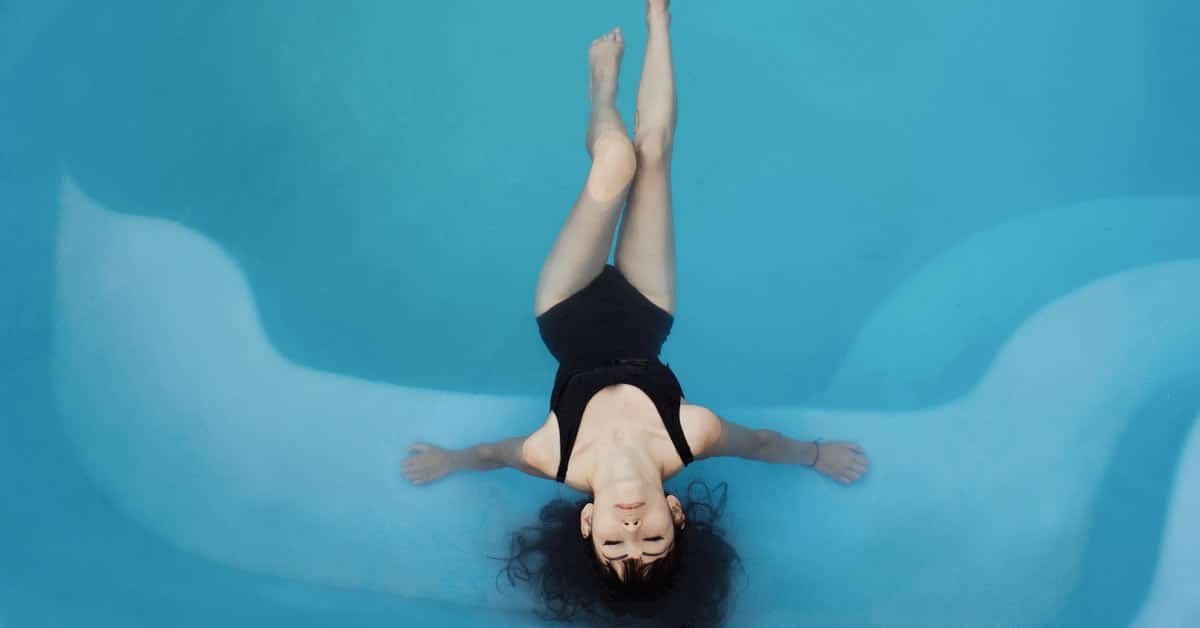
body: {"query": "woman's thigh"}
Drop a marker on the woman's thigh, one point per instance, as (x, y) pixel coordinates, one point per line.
(582, 246)
(578, 255)
(646, 243)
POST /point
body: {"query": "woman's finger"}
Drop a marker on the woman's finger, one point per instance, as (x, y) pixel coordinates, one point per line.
(418, 448)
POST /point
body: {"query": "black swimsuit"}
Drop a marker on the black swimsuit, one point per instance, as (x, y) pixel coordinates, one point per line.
(609, 333)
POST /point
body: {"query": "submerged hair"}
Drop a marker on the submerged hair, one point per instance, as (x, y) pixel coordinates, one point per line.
(689, 586)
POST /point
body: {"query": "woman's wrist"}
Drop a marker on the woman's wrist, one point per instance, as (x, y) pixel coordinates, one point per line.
(464, 459)
(778, 448)
(803, 453)
(481, 457)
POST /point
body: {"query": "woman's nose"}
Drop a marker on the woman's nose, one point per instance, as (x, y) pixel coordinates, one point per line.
(633, 523)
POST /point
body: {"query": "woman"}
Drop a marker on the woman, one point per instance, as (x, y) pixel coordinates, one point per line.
(618, 425)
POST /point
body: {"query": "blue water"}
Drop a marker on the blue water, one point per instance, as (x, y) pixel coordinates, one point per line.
(252, 250)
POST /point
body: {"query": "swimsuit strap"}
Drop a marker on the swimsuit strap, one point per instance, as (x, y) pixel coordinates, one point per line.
(674, 429)
(566, 442)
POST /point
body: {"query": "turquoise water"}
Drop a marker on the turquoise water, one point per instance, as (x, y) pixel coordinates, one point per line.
(252, 250)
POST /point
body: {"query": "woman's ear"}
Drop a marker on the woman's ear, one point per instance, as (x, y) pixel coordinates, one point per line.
(677, 515)
(585, 520)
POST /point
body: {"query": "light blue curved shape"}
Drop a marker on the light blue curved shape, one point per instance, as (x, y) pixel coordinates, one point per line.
(939, 330)
(193, 423)
(1172, 602)
(206, 435)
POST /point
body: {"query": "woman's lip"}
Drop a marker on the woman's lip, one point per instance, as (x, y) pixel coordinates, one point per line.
(631, 506)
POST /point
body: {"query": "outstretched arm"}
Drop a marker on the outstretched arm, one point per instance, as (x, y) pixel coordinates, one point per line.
(841, 461)
(427, 462)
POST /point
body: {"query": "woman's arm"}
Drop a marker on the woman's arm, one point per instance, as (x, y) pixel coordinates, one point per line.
(841, 461)
(427, 462)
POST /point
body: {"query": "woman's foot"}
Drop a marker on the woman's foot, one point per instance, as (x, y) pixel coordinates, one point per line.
(605, 58)
(605, 61)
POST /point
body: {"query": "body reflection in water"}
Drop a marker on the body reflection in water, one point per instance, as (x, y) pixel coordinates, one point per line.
(619, 425)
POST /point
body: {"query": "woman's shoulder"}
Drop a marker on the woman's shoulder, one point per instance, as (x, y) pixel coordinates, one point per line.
(542, 451)
(541, 448)
(701, 427)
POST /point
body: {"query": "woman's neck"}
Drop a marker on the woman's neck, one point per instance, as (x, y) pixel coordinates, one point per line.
(620, 463)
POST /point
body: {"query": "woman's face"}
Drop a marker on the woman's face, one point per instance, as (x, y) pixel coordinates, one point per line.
(641, 527)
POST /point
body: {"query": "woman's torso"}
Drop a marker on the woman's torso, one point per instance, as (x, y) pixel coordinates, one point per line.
(621, 411)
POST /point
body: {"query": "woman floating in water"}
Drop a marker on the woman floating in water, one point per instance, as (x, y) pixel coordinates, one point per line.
(618, 425)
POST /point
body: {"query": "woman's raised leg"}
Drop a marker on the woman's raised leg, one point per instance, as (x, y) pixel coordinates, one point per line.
(581, 249)
(646, 242)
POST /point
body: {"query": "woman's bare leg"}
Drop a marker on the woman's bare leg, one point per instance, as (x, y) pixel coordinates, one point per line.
(581, 249)
(646, 243)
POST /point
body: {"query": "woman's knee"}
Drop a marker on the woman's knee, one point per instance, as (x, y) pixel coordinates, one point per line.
(614, 162)
(652, 149)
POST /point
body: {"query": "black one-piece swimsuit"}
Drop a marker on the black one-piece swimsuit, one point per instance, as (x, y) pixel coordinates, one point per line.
(609, 333)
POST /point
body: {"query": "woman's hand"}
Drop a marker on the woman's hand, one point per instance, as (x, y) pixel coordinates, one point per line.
(841, 461)
(426, 463)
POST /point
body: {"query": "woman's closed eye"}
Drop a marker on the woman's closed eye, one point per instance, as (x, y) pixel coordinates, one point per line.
(647, 539)
(645, 554)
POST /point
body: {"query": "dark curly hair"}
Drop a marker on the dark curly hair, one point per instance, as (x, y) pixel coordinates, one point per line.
(689, 587)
